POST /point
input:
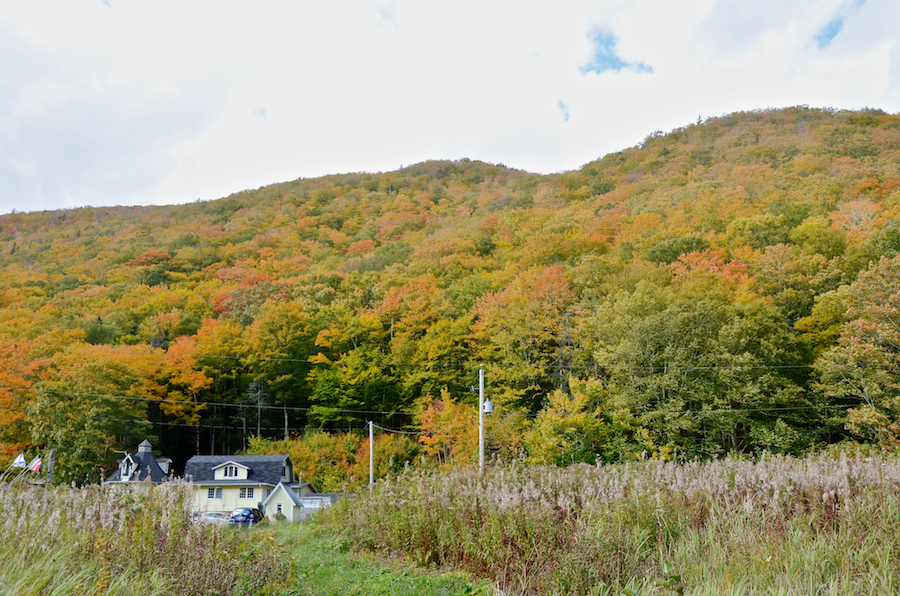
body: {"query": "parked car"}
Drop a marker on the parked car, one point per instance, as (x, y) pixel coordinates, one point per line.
(218, 518)
(245, 516)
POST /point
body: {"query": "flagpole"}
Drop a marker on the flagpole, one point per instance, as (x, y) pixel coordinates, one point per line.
(18, 462)
(37, 461)
(17, 478)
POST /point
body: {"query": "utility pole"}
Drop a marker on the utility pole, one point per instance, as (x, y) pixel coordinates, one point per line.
(481, 419)
(484, 407)
(371, 455)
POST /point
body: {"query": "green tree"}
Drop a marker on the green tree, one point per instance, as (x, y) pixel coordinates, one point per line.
(439, 360)
(360, 386)
(690, 366)
(86, 409)
(570, 427)
(816, 236)
(279, 344)
(793, 279)
(668, 250)
(863, 369)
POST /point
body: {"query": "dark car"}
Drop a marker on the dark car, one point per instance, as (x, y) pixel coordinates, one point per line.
(245, 516)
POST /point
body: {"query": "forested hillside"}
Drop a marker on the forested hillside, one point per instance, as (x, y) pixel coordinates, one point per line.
(731, 285)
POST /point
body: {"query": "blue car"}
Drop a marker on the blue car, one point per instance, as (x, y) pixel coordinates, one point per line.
(245, 516)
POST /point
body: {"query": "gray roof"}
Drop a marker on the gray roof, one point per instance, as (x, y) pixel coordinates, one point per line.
(264, 469)
(146, 468)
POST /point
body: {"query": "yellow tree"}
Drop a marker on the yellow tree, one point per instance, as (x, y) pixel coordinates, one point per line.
(449, 430)
(524, 333)
(18, 365)
(219, 350)
(184, 382)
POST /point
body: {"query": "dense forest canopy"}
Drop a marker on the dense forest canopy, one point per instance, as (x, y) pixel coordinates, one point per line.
(731, 285)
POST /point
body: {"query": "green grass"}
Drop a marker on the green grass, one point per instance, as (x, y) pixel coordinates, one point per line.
(323, 564)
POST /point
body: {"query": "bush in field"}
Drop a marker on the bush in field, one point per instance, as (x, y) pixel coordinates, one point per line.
(777, 524)
(122, 540)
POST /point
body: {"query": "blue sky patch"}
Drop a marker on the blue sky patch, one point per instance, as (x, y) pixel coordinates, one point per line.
(605, 58)
(834, 27)
(564, 109)
(829, 32)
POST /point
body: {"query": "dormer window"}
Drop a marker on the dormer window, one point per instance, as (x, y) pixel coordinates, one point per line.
(231, 472)
(126, 467)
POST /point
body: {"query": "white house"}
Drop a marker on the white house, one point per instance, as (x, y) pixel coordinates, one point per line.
(226, 482)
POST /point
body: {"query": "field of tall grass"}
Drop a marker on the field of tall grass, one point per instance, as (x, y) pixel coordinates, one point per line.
(104, 540)
(825, 524)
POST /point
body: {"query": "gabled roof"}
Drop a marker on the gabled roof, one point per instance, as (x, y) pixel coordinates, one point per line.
(263, 469)
(146, 467)
(288, 488)
(230, 461)
(291, 495)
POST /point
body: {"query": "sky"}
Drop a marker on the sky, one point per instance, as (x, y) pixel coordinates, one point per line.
(138, 102)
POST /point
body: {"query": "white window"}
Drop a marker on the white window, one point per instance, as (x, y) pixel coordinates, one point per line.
(279, 509)
(230, 471)
(246, 493)
(214, 492)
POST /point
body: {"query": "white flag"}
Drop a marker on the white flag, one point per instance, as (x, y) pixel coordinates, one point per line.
(19, 462)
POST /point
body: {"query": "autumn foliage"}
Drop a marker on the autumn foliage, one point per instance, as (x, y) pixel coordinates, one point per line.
(726, 286)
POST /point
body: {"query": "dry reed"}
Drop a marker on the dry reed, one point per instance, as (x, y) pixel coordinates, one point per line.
(729, 524)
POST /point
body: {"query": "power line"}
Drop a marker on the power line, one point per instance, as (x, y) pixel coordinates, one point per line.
(329, 409)
(210, 403)
(396, 431)
(280, 429)
(746, 410)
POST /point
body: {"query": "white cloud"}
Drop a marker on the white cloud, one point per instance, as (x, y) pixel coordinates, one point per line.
(73, 132)
(170, 101)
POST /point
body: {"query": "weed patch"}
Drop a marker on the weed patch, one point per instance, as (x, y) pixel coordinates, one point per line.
(823, 524)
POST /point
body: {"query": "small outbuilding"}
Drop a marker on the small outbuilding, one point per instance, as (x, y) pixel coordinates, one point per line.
(292, 504)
